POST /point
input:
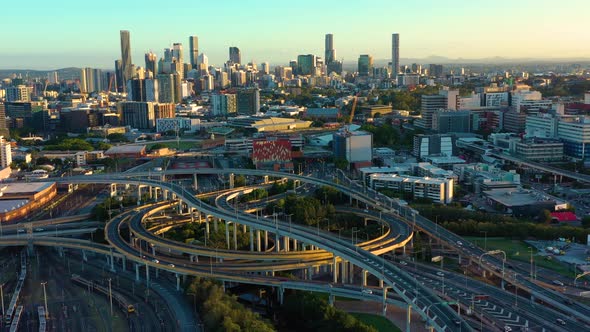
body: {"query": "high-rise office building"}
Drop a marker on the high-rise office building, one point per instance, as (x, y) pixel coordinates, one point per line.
(306, 64)
(151, 63)
(193, 42)
(265, 68)
(234, 55)
(177, 53)
(330, 52)
(166, 89)
(126, 69)
(248, 101)
(365, 65)
(395, 54)
(118, 77)
(139, 115)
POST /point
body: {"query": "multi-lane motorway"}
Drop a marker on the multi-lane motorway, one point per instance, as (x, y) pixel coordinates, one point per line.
(441, 316)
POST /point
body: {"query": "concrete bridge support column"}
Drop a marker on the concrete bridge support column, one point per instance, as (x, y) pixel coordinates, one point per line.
(157, 272)
(244, 230)
(156, 193)
(286, 243)
(265, 240)
(335, 270)
(227, 234)
(207, 230)
(295, 245)
(350, 273)
(364, 274)
(251, 239)
(381, 283)
(136, 272)
(84, 257)
(165, 194)
(232, 178)
(195, 182)
(192, 258)
(265, 179)
(192, 213)
(281, 295)
(235, 236)
(258, 244)
(124, 263)
(177, 282)
(383, 302)
(153, 250)
(408, 318)
(151, 192)
(310, 273)
(138, 194)
(147, 275)
(344, 271)
(277, 242)
(60, 251)
(331, 300)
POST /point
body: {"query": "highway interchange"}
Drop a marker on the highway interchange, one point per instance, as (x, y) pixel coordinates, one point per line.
(401, 286)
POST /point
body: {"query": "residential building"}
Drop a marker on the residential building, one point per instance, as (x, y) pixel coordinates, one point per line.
(439, 190)
(224, 104)
(19, 93)
(541, 126)
(395, 54)
(5, 153)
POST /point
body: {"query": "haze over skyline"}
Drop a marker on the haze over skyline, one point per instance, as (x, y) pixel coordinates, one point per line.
(75, 34)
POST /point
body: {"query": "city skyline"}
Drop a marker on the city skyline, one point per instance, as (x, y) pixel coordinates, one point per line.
(457, 29)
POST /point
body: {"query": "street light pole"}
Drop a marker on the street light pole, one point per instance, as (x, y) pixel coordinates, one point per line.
(111, 296)
(45, 297)
(485, 240)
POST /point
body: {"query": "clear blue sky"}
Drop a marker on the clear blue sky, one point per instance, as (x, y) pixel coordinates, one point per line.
(41, 34)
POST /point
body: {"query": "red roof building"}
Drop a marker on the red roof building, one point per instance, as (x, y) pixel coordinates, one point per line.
(564, 216)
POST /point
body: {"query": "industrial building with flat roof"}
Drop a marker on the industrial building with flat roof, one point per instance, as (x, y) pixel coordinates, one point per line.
(523, 202)
(19, 199)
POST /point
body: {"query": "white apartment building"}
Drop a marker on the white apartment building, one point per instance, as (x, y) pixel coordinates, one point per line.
(437, 189)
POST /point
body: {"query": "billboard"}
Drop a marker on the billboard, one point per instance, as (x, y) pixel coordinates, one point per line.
(271, 151)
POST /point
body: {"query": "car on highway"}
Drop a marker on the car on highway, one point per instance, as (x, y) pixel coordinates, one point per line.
(39, 229)
(171, 265)
(20, 230)
(403, 263)
(156, 261)
(557, 282)
(459, 243)
(507, 328)
(366, 211)
(457, 321)
(560, 321)
(440, 274)
(367, 291)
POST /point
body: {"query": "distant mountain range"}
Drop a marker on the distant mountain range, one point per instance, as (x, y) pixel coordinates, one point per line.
(63, 73)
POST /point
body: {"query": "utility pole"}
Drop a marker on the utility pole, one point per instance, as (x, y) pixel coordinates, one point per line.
(44, 296)
(111, 296)
(2, 295)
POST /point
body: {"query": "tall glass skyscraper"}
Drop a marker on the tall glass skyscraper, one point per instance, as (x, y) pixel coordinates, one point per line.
(395, 53)
(234, 55)
(330, 52)
(125, 57)
(193, 43)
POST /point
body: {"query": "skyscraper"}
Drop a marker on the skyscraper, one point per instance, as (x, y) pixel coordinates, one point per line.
(177, 53)
(151, 63)
(306, 64)
(234, 55)
(395, 54)
(365, 65)
(330, 52)
(125, 56)
(193, 42)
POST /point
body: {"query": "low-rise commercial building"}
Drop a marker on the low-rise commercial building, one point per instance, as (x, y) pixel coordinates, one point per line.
(438, 190)
(522, 202)
(17, 200)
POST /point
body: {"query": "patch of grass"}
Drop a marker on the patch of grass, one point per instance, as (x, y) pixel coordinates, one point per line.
(174, 145)
(518, 250)
(380, 323)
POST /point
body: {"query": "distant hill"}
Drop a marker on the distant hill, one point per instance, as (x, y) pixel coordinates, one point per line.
(70, 73)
